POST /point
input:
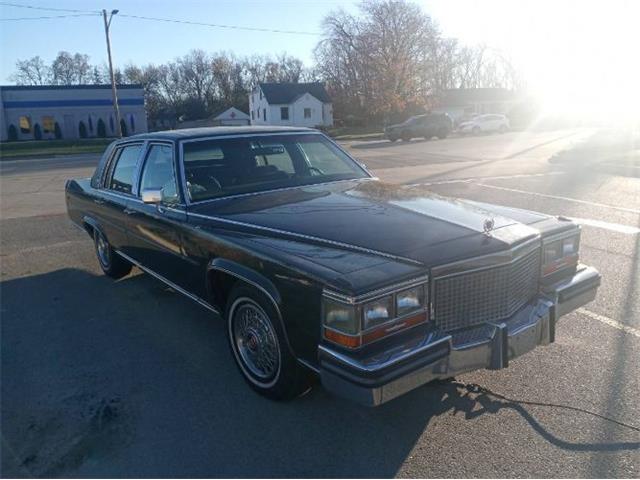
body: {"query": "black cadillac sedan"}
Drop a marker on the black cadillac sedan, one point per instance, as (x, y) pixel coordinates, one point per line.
(320, 269)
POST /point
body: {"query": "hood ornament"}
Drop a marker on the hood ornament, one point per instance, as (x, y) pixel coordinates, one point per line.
(488, 225)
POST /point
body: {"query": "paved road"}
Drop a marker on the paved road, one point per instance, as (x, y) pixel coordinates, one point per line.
(127, 378)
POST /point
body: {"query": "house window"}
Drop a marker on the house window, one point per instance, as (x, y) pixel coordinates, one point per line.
(25, 124)
(90, 124)
(132, 122)
(264, 114)
(307, 113)
(252, 115)
(284, 113)
(48, 124)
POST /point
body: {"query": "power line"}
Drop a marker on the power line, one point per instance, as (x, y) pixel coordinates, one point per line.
(50, 9)
(154, 19)
(216, 25)
(48, 17)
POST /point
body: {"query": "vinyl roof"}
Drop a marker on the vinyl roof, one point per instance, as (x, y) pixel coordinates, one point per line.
(191, 133)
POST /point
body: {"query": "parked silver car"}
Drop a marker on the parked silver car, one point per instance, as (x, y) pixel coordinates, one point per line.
(485, 123)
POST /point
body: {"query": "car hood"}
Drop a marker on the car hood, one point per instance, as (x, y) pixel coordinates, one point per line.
(413, 224)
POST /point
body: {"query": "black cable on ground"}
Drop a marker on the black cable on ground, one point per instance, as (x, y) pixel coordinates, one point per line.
(475, 388)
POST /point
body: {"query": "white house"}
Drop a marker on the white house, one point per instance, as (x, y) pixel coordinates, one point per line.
(69, 111)
(232, 116)
(296, 104)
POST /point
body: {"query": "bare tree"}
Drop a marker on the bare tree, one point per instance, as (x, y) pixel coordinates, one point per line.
(67, 69)
(32, 71)
(380, 61)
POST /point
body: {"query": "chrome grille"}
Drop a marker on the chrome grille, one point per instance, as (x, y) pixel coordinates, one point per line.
(488, 295)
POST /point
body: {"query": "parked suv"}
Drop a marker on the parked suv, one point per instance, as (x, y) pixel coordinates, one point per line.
(427, 126)
(485, 123)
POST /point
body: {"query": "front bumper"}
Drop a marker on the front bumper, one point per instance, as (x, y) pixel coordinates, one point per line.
(420, 359)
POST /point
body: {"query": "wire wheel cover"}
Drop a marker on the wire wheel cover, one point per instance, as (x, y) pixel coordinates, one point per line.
(255, 341)
(103, 250)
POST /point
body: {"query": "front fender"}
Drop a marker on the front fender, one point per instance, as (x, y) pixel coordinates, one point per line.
(248, 275)
(258, 281)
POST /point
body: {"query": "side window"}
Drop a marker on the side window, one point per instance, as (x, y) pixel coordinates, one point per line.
(158, 172)
(321, 157)
(121, 179)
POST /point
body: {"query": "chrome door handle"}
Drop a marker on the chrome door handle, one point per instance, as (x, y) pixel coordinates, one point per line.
(128, 211)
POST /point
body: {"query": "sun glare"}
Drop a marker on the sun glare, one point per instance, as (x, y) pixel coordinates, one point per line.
(588, 65)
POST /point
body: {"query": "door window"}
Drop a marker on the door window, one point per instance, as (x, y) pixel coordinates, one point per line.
(159, 174)
(321, 158)
(124, 169)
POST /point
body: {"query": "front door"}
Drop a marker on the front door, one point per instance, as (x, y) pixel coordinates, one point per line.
(154, 229)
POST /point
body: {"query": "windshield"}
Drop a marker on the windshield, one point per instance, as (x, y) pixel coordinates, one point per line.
(220, 167)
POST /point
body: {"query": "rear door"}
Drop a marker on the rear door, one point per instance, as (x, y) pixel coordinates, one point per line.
(113, 199)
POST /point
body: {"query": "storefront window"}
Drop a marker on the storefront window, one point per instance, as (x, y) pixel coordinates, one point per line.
(25, 124)
(48, 124)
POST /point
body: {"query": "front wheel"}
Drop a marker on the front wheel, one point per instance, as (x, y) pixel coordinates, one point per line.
(259, 346)
(110, 263)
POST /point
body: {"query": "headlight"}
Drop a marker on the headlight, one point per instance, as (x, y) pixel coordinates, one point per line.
(409, 300)
(560, 253)
(552, 252)
(353, 322)
(377, 312)
(341, 317)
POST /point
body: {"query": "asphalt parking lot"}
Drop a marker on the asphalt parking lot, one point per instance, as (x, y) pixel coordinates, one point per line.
(128, 378)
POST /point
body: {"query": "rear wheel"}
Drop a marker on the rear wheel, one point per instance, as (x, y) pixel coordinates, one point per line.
(259, 346)
(442, 133)
(110, 262)
(406, 137)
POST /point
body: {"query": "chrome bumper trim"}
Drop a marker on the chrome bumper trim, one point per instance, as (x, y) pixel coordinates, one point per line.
(388, 375)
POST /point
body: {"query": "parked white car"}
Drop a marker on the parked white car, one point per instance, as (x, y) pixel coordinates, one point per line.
(485, 123)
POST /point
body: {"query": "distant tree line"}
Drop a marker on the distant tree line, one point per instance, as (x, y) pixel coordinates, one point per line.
(388, 61)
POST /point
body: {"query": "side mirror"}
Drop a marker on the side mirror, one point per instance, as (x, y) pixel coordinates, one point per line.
(152, 195)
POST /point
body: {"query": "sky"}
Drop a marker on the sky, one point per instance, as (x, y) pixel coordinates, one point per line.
(578, 54)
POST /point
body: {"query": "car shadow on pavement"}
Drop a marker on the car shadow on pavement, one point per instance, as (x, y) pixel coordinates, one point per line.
(128, 378)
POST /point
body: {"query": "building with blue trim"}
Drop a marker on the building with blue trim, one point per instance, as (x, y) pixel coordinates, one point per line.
(69, 111)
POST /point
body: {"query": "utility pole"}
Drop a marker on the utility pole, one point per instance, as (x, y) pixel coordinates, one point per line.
(114, 93)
